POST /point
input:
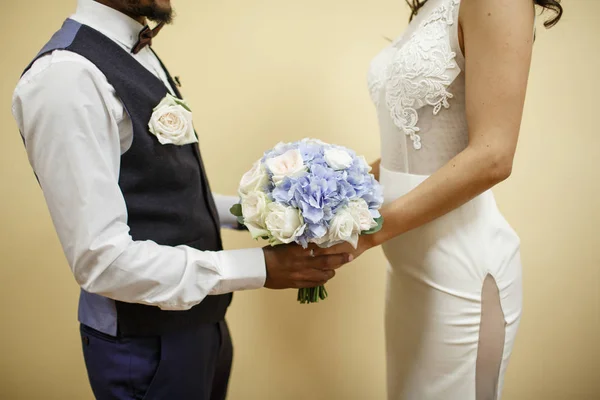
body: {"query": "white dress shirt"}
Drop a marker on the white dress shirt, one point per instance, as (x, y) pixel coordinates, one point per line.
(75, 130)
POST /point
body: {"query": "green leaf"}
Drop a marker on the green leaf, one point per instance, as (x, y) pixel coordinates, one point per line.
(375, 229)
(236, 210)
(183, 104)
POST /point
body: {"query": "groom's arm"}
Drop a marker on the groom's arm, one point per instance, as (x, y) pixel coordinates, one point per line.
(67, 118)
(70, 122)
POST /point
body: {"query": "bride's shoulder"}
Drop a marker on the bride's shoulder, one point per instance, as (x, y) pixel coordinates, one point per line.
(496, 14)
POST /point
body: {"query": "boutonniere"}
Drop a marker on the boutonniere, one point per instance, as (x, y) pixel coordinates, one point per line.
(171, 122)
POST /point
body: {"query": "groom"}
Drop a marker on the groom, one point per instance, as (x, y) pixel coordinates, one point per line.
(115, 154)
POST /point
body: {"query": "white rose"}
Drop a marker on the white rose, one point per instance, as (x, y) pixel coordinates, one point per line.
(279, 147)
(255, 179)
(338, 159)
(285, 224)
(171, 122)
(254, 207)
(344, 228)
(360, 211)
(289, 164)
(256, 231)
(313, 141)
(324, 241)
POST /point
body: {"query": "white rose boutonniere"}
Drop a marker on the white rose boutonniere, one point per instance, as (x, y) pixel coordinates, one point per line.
(171, 122)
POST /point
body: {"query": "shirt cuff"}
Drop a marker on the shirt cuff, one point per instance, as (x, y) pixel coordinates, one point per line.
(223, 204)
(241, 270)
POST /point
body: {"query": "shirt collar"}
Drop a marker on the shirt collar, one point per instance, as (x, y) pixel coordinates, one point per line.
(108, 21)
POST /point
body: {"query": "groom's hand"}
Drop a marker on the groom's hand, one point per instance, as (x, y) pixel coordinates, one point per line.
(291, 266)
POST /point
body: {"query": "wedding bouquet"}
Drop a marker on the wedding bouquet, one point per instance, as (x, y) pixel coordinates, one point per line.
(310, 192)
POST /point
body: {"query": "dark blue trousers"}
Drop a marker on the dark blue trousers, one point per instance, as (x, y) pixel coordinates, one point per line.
(192, 364)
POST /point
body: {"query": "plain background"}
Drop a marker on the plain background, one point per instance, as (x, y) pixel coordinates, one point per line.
(260, 71)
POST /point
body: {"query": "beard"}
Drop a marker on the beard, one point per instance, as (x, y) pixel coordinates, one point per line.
(151, 11)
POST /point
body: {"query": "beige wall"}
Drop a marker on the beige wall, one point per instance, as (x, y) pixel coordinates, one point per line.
(260, 71)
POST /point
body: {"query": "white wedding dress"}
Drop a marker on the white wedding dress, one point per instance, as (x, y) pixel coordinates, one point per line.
(454, 285)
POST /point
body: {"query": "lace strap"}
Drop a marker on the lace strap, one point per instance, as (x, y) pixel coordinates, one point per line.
(454, 35)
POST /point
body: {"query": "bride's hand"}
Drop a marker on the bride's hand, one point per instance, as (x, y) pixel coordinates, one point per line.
(365, 243)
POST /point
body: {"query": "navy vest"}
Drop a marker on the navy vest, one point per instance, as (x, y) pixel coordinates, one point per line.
(166, 190)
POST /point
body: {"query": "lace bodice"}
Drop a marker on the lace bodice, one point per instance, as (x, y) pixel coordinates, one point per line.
(417, 85)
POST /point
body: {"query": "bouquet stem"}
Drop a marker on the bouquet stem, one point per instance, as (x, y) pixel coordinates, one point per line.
(312, 295)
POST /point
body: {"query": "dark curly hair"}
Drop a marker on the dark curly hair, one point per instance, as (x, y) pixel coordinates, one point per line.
(552, 5)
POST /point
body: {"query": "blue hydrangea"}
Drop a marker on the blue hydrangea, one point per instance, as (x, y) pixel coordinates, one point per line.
(322, 190)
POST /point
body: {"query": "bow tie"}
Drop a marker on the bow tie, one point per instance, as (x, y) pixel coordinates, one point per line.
(145, 37)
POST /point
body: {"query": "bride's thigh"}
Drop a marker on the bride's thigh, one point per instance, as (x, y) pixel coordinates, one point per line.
(492, 337)
(431, 330)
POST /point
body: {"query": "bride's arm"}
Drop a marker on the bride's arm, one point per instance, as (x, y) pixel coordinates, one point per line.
(498, 44)
(375, 168)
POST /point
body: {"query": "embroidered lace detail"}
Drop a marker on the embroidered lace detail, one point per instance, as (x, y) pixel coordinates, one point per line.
(417, 72)
(377, 73)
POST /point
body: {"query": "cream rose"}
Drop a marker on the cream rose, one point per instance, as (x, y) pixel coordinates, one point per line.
(360, 211)
(171, 122)
(284, 224)
(338, 159)
(289, 164)
(344, 228)
(253, 180)
(254, 210)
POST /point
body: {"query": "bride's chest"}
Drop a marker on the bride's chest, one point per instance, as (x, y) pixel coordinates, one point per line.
(416, 70)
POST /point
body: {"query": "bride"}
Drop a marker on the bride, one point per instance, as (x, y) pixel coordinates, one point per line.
(449, 95)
